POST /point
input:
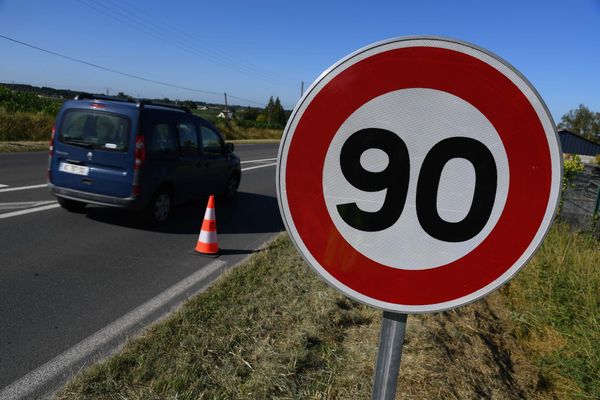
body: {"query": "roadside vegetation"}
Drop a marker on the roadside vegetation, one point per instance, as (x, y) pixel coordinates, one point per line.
(555, 305)
(272, 329)
(26, 119)
(25, 116)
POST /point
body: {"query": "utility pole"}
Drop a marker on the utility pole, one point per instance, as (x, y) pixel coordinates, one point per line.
(301, 88)
(226, 108)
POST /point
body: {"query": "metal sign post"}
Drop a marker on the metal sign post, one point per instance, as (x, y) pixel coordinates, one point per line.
(391, 341)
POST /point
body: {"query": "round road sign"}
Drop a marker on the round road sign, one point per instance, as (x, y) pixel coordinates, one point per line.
(419, 174)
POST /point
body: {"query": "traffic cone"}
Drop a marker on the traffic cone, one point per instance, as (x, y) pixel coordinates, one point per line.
(207, 241)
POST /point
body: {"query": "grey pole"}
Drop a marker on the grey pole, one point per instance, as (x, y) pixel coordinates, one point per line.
(389, 354)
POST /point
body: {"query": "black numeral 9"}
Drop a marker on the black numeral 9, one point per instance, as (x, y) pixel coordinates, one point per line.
(395, 178)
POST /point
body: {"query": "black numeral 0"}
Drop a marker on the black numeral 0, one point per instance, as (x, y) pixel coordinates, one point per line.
(486, 178)
(394, 178)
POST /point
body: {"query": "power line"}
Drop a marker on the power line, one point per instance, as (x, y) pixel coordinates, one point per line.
(169, 36)
(184, 36)
(116, 71)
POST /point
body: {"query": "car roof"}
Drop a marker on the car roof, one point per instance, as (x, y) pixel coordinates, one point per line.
(88, 100)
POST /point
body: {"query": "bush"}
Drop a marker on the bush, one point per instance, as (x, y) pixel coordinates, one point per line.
(13, 101)
(235, 130)
(25, 125)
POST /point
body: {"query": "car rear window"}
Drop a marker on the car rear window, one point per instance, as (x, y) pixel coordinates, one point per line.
(98, 130)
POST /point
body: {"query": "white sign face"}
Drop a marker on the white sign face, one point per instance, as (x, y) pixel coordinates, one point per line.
(419, 174)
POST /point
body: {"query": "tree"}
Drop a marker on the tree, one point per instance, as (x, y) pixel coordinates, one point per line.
(122, 95)
(251, 114)
(274, 112)
(189, 104)
(582, 121)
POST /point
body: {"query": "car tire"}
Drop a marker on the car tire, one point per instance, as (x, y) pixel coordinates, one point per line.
(231, 188)
(71, 205)
(158, 209)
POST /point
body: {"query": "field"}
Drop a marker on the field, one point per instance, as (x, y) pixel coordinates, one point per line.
(26, 117)
(271, 329)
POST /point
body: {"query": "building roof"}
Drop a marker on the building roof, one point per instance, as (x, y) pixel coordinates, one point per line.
(573, 143)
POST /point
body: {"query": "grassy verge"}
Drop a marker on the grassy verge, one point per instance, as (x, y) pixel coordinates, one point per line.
(20, 146)
(271, 329)
(555, 302)
(233, 131)
(254, 141)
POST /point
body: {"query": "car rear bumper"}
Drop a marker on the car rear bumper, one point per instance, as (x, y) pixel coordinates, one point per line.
(94, 198)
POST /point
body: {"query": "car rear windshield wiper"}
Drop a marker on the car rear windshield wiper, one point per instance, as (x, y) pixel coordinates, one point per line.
(78, 142)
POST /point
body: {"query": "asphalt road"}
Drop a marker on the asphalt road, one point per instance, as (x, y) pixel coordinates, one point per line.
(65, 276)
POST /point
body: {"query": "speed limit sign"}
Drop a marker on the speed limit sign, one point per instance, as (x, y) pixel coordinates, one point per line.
(419, 174)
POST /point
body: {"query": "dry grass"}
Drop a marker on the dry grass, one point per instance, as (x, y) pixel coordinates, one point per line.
(555, 302)
(232, 131)
(17, 126)
(271, 330)
(20, 146)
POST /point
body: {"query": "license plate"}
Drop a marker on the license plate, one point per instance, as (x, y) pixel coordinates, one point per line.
(73, 169)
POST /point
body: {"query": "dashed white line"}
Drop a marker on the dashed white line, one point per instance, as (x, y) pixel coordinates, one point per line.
(24, 204)
(29, 210)
(12, 189)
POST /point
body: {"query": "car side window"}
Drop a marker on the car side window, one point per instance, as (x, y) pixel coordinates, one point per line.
(211, 141)
(163, 140)
(188, 138)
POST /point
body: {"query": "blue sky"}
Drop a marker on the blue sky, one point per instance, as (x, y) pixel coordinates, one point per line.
(253, 50)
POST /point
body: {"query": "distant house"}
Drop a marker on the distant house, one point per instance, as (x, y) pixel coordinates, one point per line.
(574, 144)
(202, 108)
(228, 114)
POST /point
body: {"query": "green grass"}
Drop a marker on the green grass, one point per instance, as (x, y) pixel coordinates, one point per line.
(270, 329)
(234, 131)
(555, 302)
(250, 336)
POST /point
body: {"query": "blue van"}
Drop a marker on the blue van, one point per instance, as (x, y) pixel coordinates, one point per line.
(138, 155)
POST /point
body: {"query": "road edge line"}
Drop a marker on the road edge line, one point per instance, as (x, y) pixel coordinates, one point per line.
(43, 381)
(258, 166)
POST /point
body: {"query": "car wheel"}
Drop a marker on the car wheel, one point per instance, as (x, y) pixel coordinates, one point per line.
(159, 207)
(233, 183)
(71, 205)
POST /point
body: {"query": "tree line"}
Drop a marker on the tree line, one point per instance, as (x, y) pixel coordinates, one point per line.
(582, 121)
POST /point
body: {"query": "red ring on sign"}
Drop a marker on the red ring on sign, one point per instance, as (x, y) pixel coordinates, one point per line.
(477, 83)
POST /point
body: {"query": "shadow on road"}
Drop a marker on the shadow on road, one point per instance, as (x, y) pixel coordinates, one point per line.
(249, 213)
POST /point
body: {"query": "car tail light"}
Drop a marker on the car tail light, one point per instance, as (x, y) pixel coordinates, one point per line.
(140, 156)
(140, 152)
(50, 153)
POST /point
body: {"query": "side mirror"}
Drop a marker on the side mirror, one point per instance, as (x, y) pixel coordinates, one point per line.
(229, 147)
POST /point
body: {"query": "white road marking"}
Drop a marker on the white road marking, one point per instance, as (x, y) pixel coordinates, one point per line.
(3, 186)
(12, 189)
(41, 379)
(255, 161)
(29, 211)
(55, 205)
(258, 166)
(24, 204)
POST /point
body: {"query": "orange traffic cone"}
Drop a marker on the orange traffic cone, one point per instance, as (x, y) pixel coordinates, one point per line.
(207, 241)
